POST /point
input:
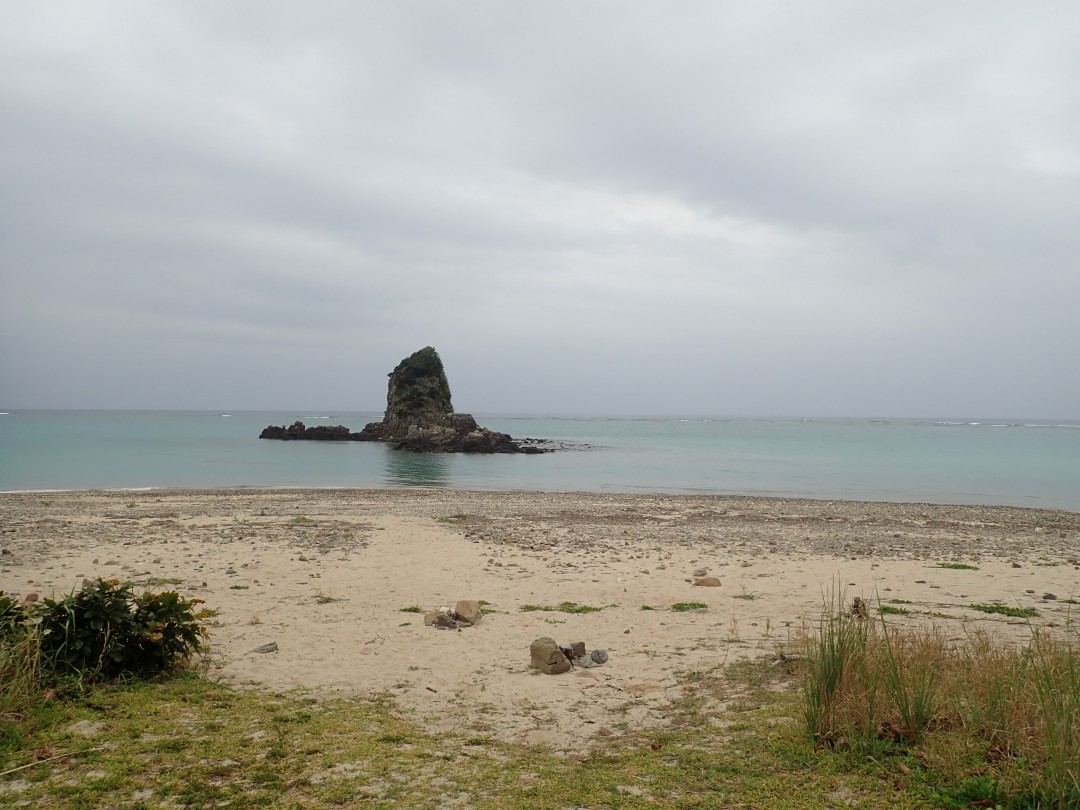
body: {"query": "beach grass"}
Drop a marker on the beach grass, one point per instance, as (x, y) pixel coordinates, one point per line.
(996, 724)
(188, 741)
(996, 727)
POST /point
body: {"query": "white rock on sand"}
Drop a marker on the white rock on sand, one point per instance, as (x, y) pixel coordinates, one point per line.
(327, 574)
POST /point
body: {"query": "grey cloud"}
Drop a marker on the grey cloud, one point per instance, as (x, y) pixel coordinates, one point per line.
(831, 208)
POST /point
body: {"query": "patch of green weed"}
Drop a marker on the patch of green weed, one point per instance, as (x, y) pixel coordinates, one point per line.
(892, 610)
(682, 607)
(563, 607)
(1006, 610)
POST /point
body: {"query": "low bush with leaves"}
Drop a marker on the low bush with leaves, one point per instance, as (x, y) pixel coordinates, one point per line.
(107, 631)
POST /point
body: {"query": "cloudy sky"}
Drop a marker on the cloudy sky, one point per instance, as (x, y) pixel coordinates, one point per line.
(722, 208)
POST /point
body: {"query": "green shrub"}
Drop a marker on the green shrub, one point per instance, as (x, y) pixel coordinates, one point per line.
(106, 631)
(12, 616)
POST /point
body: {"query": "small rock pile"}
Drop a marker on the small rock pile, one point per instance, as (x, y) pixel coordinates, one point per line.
(553, 658)
(465, 613)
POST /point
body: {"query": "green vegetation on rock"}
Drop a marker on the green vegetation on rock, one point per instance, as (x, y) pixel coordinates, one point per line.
(419, 387)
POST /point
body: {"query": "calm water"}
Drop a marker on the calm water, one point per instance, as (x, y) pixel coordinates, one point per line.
(947, 461)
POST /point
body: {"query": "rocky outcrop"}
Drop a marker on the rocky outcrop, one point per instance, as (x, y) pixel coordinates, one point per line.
(419, 416)
(297, 430)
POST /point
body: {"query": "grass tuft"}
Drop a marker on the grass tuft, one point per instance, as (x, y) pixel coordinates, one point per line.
(993, 723)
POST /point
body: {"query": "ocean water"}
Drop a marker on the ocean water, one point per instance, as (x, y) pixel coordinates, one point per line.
(977, 461)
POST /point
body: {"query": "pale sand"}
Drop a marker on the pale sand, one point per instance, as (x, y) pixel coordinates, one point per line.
(377, 551)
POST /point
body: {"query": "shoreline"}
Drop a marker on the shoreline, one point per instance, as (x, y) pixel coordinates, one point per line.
(269, 488)
(329, 575)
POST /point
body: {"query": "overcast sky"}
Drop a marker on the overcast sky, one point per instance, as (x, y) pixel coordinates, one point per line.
(714, 208)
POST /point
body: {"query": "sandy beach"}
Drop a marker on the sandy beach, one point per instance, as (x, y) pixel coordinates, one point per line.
(330, 576)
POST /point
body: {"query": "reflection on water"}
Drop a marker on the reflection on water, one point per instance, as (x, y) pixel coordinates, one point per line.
(417, 469)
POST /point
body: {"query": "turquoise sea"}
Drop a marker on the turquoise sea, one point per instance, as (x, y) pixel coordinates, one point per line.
(977, 461)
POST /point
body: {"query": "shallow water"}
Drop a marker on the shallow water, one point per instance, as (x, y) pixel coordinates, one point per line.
(1016, 462)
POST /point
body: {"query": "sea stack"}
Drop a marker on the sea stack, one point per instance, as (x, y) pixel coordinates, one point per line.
(420, 417)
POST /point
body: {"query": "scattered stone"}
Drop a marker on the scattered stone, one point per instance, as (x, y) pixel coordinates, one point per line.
(599, 656)
(266, 648)
(230, 572)
(574, 652)
(1017, 565)
(1049, 596)
(547, 657)
(707, 582)
(700, 572)
(468, 611)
